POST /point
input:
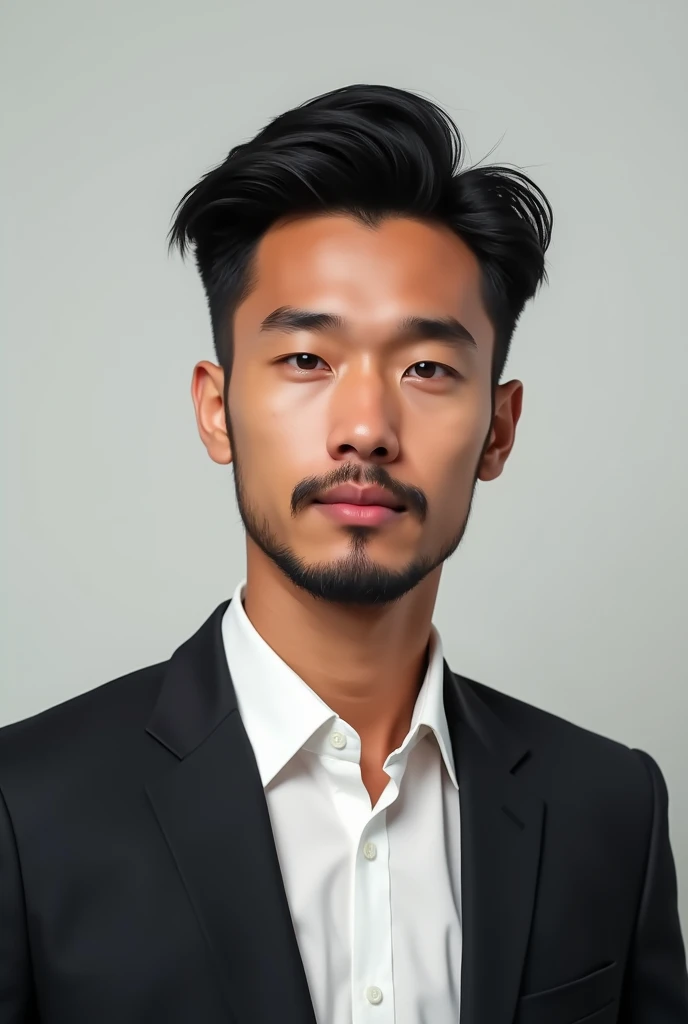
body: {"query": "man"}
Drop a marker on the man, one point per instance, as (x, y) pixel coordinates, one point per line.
(305, 815)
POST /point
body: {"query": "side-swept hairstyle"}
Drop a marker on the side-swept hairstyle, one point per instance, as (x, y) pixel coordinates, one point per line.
(372, 151)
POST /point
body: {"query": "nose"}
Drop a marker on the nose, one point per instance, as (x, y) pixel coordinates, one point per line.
(364, 420)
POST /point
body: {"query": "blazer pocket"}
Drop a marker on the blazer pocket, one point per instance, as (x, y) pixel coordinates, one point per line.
(573, 1002)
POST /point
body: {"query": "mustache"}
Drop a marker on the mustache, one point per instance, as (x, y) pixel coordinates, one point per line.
(408, 495)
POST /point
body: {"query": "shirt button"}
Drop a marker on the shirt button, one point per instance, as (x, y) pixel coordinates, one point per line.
(373, 995)
(338, 740)
(370, 851)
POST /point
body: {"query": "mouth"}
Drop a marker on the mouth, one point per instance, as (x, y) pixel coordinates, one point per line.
(360, 515)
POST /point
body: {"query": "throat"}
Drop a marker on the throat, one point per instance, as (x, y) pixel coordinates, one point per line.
(375, 781)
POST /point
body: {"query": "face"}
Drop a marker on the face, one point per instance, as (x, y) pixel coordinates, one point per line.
(363, 357)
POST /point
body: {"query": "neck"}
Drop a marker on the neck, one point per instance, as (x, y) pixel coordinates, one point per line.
(366, 663)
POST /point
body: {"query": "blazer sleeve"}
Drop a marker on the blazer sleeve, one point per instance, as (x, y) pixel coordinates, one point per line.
(16, 998)
(656, 981)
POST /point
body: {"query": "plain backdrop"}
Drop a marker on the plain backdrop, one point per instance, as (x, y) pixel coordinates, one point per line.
(120, 536)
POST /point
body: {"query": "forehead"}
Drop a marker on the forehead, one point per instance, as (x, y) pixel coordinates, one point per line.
(337, 264)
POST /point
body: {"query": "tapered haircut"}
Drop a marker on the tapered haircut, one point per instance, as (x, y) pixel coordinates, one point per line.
(371, 151)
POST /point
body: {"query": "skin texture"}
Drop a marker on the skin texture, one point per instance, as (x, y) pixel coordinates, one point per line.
(360, 409)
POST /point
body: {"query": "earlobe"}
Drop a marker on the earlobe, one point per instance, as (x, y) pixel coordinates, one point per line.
(490, 464)
(207, 390)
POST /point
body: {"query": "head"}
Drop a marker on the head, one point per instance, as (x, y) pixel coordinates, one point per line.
(363, 290)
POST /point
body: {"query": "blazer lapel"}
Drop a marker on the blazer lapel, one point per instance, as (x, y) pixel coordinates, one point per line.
(210, 804)
(501, 832)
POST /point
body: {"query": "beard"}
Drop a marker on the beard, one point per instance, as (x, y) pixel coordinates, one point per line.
(355, 579)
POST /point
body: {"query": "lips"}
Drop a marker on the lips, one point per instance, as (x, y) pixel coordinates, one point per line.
(349, 495)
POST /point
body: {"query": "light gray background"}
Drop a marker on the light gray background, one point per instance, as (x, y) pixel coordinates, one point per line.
(121, 536)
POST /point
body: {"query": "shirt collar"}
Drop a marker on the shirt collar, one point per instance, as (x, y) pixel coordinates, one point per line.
(281, 713)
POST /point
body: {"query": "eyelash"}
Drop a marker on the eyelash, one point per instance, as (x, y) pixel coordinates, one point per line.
(449, 371)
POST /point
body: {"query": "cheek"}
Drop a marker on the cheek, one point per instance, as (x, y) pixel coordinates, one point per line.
(448, 478)
(278, 439)
(447, 452)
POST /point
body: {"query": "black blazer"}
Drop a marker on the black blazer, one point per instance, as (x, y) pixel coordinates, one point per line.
(139, 880)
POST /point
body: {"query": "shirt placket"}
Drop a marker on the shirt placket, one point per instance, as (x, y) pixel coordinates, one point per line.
(372, 976)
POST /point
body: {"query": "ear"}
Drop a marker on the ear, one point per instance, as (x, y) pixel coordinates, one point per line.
(507, 412)
(207, 392)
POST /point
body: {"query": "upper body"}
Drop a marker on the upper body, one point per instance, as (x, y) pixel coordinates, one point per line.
(166, 852)
(154, 868)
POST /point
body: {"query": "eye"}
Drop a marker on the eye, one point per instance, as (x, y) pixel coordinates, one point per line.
(426, 369)
(304, 361)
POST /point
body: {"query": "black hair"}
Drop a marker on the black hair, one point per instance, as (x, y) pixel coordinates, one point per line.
(372, 151)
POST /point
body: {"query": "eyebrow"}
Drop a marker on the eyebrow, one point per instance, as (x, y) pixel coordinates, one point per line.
(287, 319)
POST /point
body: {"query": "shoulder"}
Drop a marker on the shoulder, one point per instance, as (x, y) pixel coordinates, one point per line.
(102, 722)
(569, 760)
(539, 726)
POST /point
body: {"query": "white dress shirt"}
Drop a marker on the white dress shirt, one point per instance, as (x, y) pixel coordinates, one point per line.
(374, 894)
